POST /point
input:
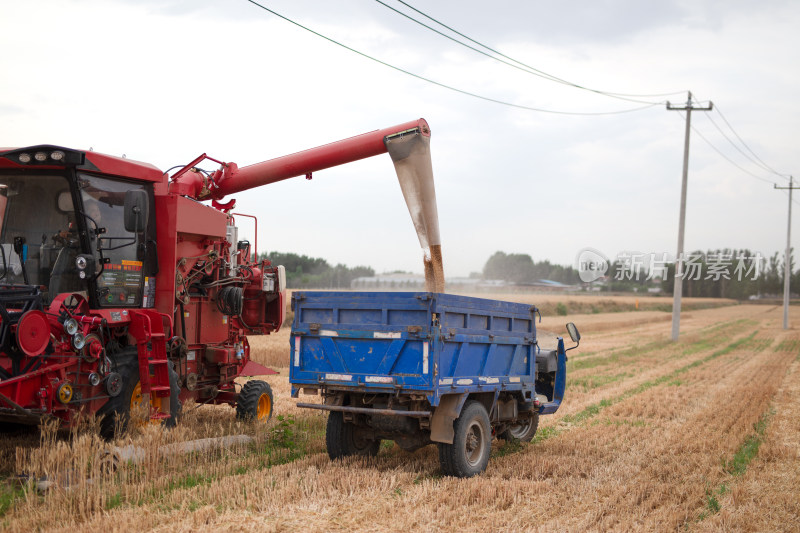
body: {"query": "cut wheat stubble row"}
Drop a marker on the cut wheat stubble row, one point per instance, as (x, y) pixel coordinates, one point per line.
(660, 479)
(662, 362)
(504, 495)
(340, 493)
(765, 497)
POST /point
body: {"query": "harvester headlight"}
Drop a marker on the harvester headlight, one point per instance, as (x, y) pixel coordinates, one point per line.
(45, 154)
(81, 262)
(71, 326)
(78, 341)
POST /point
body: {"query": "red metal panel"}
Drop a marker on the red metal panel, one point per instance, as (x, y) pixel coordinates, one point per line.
(254, 369)
(166, 236)
(125, 167)
(213, 324)
(199, 219)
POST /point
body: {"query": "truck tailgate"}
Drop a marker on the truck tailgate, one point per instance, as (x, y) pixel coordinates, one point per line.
(427, 342)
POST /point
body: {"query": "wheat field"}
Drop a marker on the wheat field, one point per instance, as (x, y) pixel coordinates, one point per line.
(698, 435)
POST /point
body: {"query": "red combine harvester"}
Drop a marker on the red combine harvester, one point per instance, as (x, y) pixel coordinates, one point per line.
(118, 286)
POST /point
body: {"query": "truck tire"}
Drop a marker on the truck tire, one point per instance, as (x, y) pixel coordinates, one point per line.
(117, 411)
(255, 401)
(523, 431)
(469, 453)
(342, 439)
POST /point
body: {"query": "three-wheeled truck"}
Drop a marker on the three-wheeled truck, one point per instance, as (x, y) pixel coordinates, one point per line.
(422, 368)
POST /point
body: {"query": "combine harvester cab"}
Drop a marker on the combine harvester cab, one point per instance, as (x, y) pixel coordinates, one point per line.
(120, 288)
(422, 368)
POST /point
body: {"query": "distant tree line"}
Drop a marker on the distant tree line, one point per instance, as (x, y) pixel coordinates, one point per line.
(522, 269)
(303, 271)
(727, 273)
(720, 273)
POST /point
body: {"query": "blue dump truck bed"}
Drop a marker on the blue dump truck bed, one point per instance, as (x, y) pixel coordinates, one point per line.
(404, 365)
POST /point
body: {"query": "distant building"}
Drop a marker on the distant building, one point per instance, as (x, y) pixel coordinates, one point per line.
(399, 282)
(415, 282)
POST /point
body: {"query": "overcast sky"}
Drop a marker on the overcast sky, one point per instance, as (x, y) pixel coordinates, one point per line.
(164, 81)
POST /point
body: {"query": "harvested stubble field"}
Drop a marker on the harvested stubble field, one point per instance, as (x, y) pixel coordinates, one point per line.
(703, 434)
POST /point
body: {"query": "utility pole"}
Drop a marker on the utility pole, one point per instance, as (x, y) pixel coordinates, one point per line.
(787, 270)
(678, 277)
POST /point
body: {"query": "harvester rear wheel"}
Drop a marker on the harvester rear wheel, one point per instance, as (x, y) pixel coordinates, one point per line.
(255, 401)
(117, 411)
(342, 439)
(523, 431)
(469, 453)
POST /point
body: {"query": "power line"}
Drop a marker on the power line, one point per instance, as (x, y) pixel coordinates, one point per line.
(748, 148)
(757, 161)
(524, 68)
(728, 159)
(530, 68)
(749, 158)
(445, 86)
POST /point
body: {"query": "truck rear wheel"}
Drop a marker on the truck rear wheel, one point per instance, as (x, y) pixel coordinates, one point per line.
(524, 430)
(255, 401)
(469, 453)
(117, 411)
(342, 439)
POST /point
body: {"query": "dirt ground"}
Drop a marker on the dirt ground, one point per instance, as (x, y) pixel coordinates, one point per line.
(698, 435)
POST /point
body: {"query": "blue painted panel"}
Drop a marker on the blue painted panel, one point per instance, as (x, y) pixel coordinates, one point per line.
(434, 343)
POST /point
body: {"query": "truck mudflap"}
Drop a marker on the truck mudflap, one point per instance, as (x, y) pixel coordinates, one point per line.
(561, 382)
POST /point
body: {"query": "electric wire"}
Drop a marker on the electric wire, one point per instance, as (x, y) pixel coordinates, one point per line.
(540, 72)
(728, 159)
(717, 109)
(757, 161)
(450, 87)
(749, 158)
(524, 68)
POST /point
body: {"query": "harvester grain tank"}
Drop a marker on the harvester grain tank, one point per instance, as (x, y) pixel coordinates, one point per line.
(119, 287)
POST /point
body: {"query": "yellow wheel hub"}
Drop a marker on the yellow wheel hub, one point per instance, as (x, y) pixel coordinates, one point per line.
(64, 393)
(136, 401)
(264, 407)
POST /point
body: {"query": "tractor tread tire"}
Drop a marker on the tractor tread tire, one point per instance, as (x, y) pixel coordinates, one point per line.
(247, 402)
(340, 439)
(527, 435)
(116, 412)
(454, 458)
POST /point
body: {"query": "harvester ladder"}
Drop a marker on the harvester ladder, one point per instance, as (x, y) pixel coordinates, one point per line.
(147, 326)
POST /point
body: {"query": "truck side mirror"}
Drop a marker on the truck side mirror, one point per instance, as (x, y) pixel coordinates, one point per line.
(136, 211)
(574, 334)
